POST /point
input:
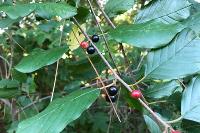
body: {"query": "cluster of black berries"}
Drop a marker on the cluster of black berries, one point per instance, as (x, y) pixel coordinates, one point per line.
(112, 93)
(90, 48)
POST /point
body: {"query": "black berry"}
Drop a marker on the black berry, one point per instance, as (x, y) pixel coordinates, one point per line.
(90, 50)
(112, 91)
(95, 38)
(112, 98)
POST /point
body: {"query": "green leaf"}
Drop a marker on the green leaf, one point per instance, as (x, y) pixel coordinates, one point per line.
(193, 22)
(59, 113)
(177, 60)
(39, 59)
(17, 11)
(46, 10)
(115, 7)
(151, 34)
(6, 22)
(161, 90)
(151, 124)
(190, 103)
(9, 88)
(166, 11)
(49, 10)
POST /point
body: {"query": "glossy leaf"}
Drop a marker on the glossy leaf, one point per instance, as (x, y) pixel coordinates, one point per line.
(160, 90)
(177, 60)
(166, 11)
(190, 104)
(115, 7)
(60, 113)
(152, 125)
(46, 10)
(146, 35)
(39, 58)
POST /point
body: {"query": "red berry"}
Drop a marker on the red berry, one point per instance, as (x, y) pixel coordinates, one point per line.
(136, 94)
(84, 45)
(176, 131)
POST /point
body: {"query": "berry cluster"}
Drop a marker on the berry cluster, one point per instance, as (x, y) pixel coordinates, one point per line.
(112, 93)
(90, 49)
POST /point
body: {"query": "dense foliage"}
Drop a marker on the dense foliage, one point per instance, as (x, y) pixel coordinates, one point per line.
(56, 60)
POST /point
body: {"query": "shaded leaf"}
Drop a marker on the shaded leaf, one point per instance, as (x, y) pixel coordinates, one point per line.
(152, 125)
(151, 34)
(39, 59)
(59, 113)
(177, 60)
(160, 90)
(166, 11)
(193, 22)
(190, 103)
(115, 7)
(9, 88)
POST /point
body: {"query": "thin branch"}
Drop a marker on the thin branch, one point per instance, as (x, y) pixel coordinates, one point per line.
(57, 65)
(102, 33)
(99, 77)
(113, 26)
(176, 120)
(31, 104)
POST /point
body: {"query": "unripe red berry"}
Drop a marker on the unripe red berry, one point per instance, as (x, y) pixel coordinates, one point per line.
(84, 45)
(176, 131)
(136, 94)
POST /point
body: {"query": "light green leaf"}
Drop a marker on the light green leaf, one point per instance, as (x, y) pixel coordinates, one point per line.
(193, 22)
(17, 11)
(151, 124)
(49, 10)
(115, 7)
(166, 11)
(40, 58)
(146, 35)
(59, 113)
(160, 90)
(190, 103)
(177, 60)
(46, 10)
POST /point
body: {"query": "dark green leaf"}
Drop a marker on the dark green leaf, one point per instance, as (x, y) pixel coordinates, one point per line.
(9, 88)
(161, 90)
(115, 7)
(151, 34)
(167, 11)
(179, 59)
(151, 124)
(39, 59)
(190, 104)
(59, 113)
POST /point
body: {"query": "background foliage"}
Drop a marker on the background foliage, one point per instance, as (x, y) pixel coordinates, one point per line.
(162, 47)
